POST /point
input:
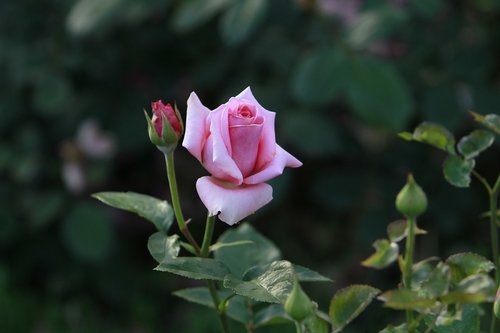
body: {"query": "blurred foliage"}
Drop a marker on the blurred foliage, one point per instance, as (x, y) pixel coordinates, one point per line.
(344, 77)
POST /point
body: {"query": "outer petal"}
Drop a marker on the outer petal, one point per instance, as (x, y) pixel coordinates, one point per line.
(221, 157)
(196, 132)
(234, 203)
(275, 168)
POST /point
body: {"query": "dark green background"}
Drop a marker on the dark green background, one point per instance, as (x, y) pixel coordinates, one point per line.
(342, 86)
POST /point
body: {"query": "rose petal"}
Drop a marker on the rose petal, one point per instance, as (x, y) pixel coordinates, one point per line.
(196, 132)
(275, 168)
(245, 142)
(268, 141)
(221, 157)
(234, 203)
(213, 168)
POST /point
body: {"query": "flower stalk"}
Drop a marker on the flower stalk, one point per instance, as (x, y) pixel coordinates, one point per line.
(408, 264)
(176, 204)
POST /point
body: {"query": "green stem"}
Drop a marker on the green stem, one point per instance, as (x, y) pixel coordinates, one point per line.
(205, 246)
(172, 182)
(207, 238)
(298, 327)
(493, 194)
(408, 264)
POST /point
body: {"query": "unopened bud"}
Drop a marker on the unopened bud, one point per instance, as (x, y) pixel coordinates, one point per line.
(298, 305)
(165, 127)
(411, 200)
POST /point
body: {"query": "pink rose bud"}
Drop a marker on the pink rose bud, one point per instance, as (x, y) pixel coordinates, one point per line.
(236, 144)
(165, 127)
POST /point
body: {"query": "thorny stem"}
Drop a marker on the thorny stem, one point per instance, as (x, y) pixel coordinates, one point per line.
(408, 264)
(172, 182)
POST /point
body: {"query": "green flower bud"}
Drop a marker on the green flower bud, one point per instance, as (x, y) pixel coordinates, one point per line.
(165, 127)
(411, 200)
(298, 305)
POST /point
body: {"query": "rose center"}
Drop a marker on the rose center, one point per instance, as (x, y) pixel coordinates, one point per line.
(245, 112)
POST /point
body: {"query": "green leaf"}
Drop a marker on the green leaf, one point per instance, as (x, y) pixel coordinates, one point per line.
(152, 209)
(216, 246)
(457, 170)
(404, 299)
(195, 268)
(240, 259)
(271, 315)
(271, 286)
(386, 253)
(305, 274)
(435, 135)
(422, 270)
(437, 283)
(395, 329)
(236, 308)
(241, 19)
(190, 14)
(374, 24)
(465, 264)
(378, 95)
(316, 324)
(348, 303)
(475, 288)
(320, 77)
(397, 230)
(491, 121)
(162, 247)
(465, 320)
(87, 233)
(471, 145)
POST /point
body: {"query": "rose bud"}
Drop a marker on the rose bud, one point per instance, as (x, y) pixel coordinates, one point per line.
(298, 305)
(236, 144)
(411, 201)
(165, 127)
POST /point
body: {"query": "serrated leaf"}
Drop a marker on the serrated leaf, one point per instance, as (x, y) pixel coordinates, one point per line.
(437, 283)
(473, 144)
(236, 308)
(465, 320)
(195, 268)
(241, 19)
(491, 121)
(271, 286)
(465, 264)
(422, 269)
(457, 170)
(404, 299)
(305, 274)
(435, 135)
(397, 230)
(475, 288)
(163, 247)
(386, 253)
(348, 303)
(152, 209)
(240, 259)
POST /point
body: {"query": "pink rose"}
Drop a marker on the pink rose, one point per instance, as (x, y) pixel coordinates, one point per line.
(236, 144)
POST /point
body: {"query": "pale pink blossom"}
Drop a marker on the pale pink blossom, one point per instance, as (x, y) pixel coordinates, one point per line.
(236, 144)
